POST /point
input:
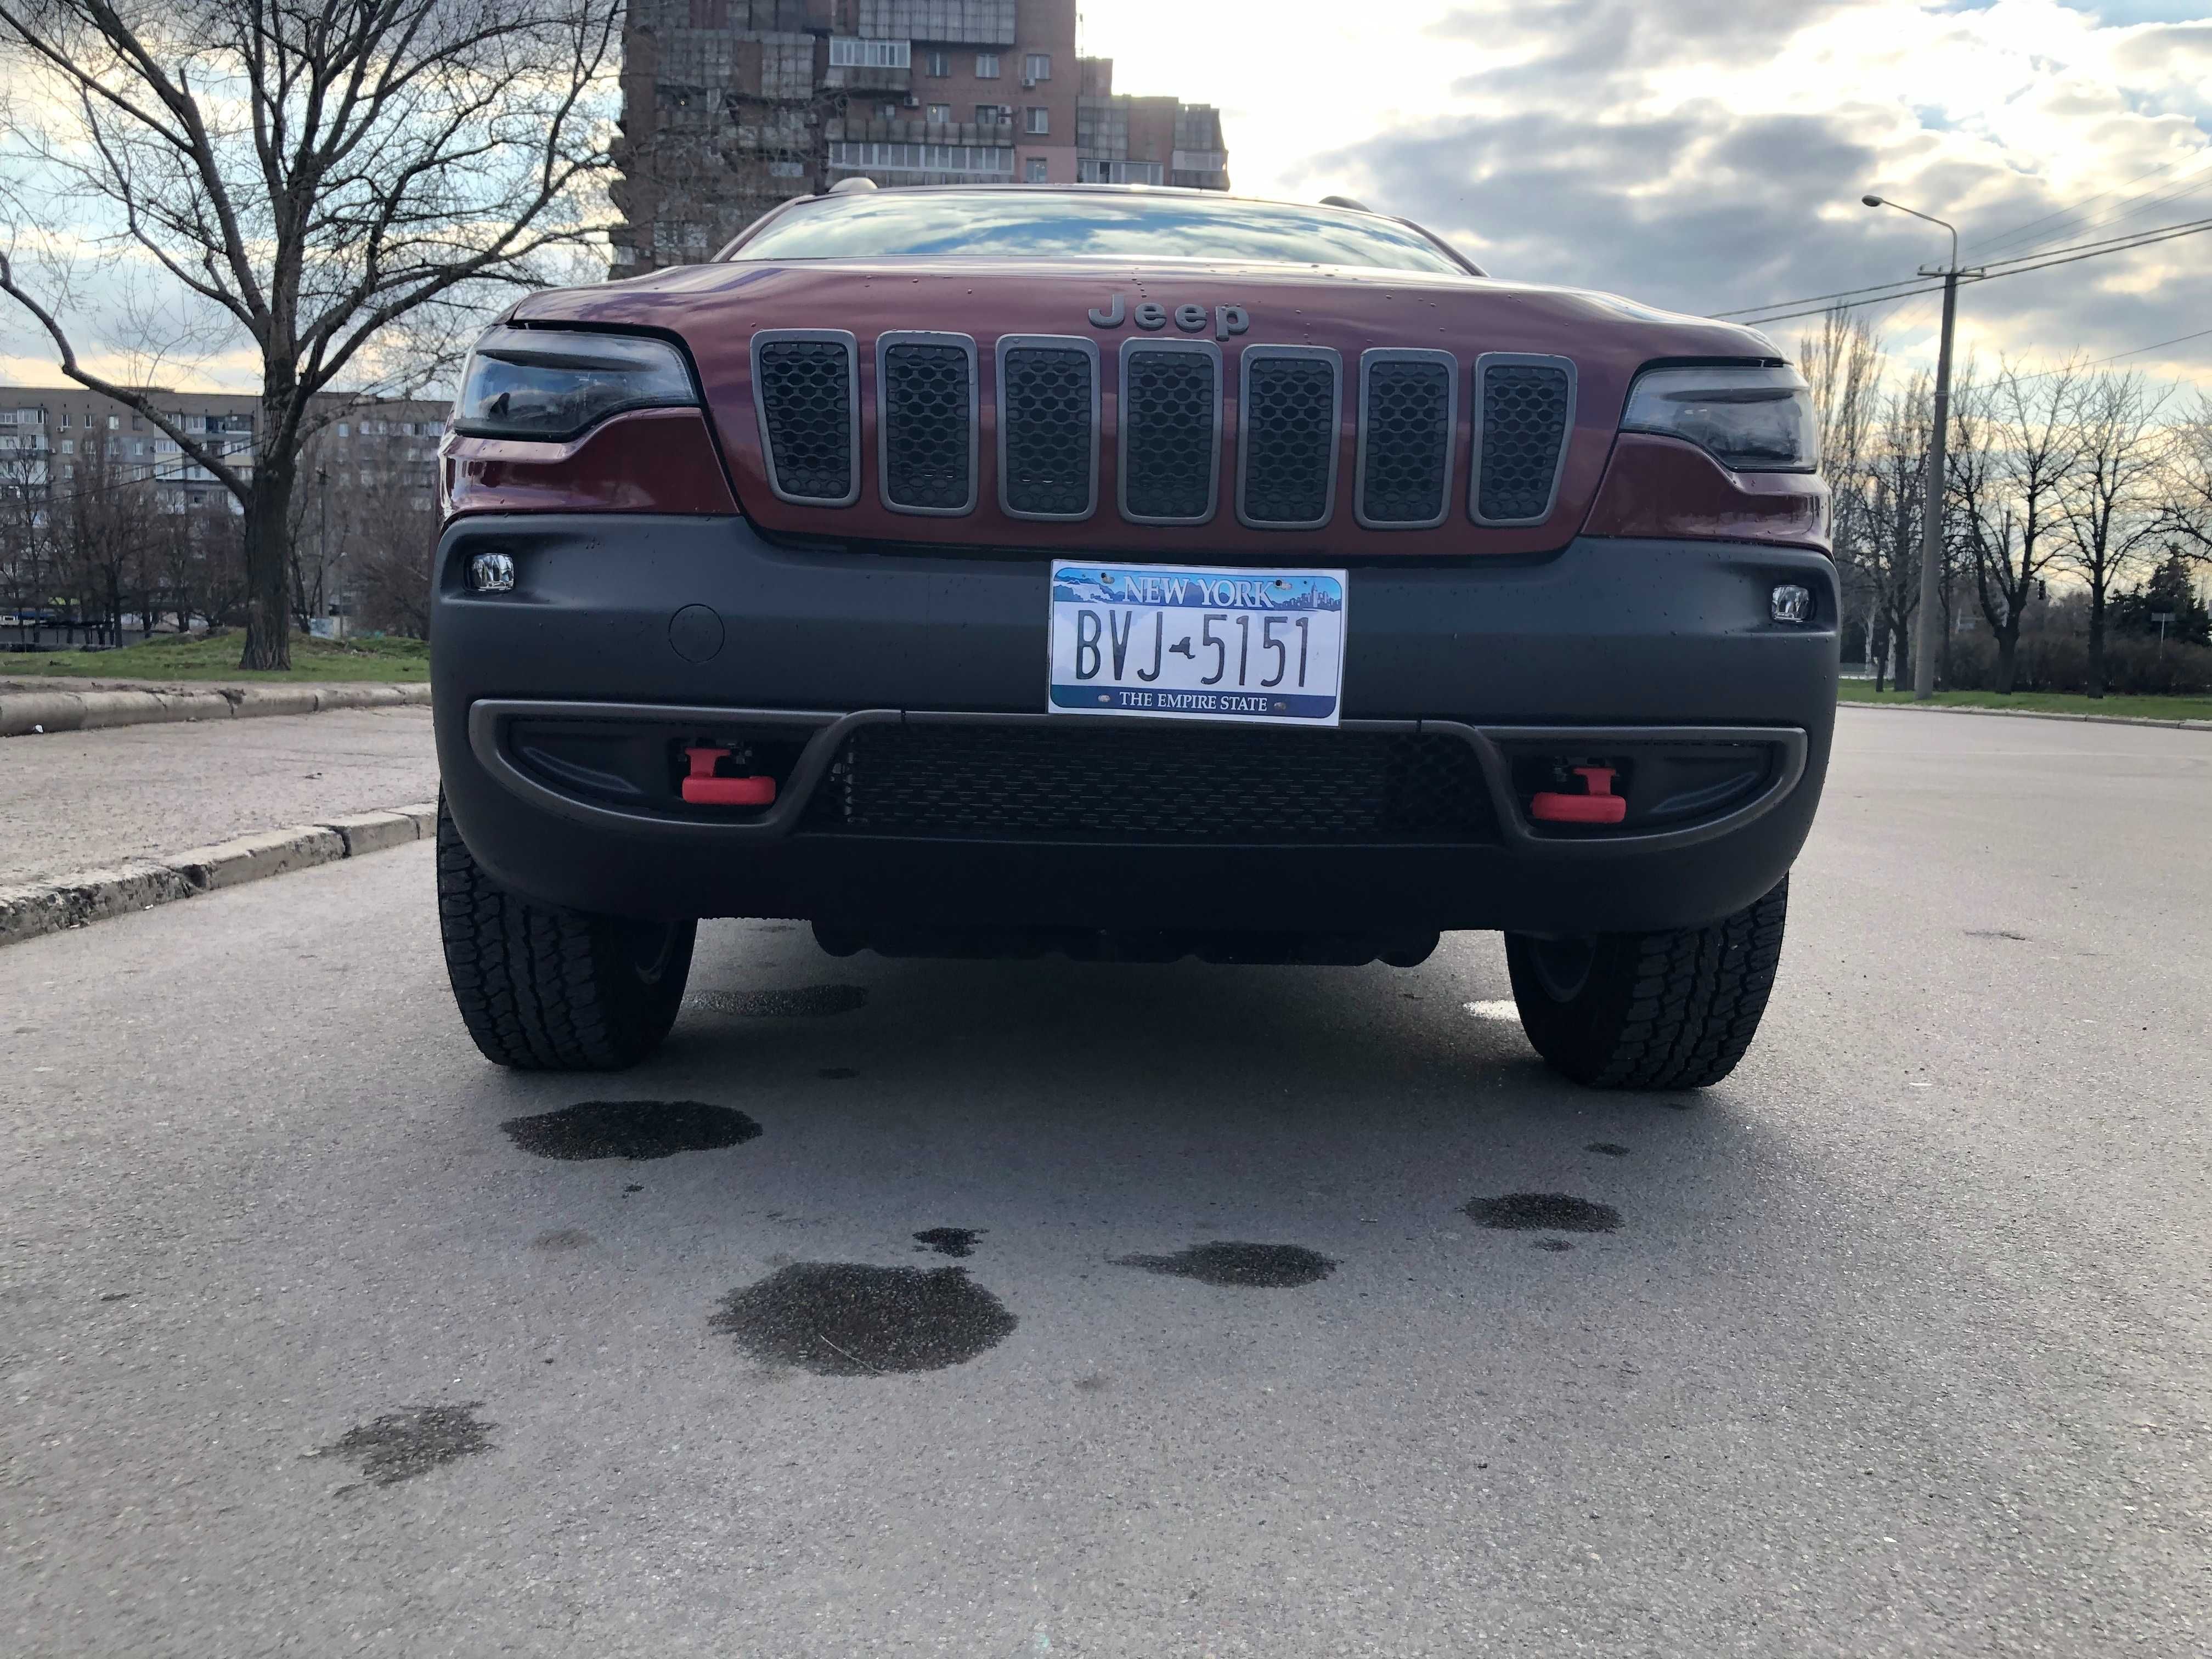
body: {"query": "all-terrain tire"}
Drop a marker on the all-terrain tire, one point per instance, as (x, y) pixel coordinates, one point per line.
(1651, 1011)
(545, 989)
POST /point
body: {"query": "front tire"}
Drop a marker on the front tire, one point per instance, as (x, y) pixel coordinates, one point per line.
(1672, 1010)
(545, 989)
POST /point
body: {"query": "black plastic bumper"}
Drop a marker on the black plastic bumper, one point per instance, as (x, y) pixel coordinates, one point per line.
(669, 624)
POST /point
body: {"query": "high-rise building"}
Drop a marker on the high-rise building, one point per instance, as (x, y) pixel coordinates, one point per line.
(731, 106)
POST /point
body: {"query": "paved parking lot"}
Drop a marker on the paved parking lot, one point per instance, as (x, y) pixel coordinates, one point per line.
(321, 1336)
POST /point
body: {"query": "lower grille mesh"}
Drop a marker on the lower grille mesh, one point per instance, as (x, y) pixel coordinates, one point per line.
(1524, 423)
(1181, 783)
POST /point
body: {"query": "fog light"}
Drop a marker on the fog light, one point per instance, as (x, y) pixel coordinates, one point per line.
(1789, 603)
(494, 572)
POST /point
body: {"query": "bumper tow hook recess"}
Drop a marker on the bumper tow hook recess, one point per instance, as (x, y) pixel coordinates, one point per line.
(1599, 805)
(703, 788)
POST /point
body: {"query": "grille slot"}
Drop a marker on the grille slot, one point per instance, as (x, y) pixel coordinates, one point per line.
(806, 392)
(926, 420)
(1524, 406)
(1171, 430)
(1007, 782)
(1048, 426)
(1409, 415)
(1289, 412)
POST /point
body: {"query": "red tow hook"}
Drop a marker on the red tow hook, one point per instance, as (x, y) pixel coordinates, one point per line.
(703, 788)
(1599, 805)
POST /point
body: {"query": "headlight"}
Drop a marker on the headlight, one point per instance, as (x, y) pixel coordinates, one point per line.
(1749, 419)
(544, 384)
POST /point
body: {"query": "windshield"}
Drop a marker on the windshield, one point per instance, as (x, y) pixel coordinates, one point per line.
(1027, 224)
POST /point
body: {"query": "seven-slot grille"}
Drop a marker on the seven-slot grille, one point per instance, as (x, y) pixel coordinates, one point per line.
(806, 390)
(1289, 414)
(807, 395)
(1047, 427)
(1170, 431)
(1266, 784)
(1523, 406)
(925, 422)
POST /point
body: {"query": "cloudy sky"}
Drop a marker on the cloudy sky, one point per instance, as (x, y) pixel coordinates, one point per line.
(1709, 155)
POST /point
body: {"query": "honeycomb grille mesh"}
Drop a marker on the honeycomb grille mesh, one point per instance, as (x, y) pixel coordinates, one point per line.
(928, 429)
(1524, 423)
(806, 392)
(1168, 435)
(1045, 413)
(1407, 424)
(1007, 782)
(1290, 435)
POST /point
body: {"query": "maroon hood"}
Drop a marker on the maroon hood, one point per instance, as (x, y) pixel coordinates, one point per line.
(715, 309)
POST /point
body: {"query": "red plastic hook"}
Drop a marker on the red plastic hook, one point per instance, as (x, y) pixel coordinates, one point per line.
(703, 788)
(1599, 805)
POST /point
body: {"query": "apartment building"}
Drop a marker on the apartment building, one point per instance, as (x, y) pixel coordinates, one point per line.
(731, 106)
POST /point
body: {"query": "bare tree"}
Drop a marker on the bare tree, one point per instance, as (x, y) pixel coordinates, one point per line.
(2110, 495)
(2018, 449)
(1843, 364)
(2187, 487)
(319, 175)
(1895, 472)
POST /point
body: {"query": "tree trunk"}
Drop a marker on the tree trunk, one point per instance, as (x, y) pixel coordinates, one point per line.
(2096, 639)
(2008, 657)
(268, 558)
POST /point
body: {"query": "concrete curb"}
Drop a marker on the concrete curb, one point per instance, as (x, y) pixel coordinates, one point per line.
(2024, 715)
(26, 912)
(25, 714)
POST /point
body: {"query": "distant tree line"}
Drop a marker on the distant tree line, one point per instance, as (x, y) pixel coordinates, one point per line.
(2076, 512)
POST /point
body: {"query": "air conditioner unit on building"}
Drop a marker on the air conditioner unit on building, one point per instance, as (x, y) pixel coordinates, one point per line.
(1029, 83)
(913, 100)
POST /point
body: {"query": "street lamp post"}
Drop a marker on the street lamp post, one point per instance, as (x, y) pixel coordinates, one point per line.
(1931, 544)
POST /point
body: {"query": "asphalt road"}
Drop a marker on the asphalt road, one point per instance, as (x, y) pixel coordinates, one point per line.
(1902, 1345)
(83, 800)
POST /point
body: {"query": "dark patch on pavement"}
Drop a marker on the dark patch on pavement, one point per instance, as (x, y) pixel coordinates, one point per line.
(1554, 1244)
(1223, 1262)
(117, 1296)
(1091, 1384)
(1995, 932)
(845, 1319)
(799, 1002)
(1545, 1213)
(951, 1240)
(634, 1187)
(836, 1074)
(404, 1444)
(561, 1238)
(1610, 1148)
(630, 1128)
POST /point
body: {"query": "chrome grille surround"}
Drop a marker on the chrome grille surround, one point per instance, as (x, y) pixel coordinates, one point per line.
(1287, 436)
(1170, 396)
(820, 445)
(923, 453)
(1040, 444)
(1525, 415)
(1421, 388)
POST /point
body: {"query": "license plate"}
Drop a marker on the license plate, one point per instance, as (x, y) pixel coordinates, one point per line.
(1178, 643)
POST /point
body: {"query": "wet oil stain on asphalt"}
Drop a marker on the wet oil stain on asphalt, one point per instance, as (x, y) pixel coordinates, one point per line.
(950, 1240)
(799, 1002)
(1545, 1213)
(846, 1319)
(401, 1445)
(630, 1128)
(1225, 1262)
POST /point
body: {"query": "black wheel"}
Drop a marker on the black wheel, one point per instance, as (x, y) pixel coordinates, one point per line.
(544, 989)
(1649, 1010)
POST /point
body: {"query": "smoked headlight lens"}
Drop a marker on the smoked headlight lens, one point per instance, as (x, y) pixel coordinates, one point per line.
(544, 384)
(1751, 419)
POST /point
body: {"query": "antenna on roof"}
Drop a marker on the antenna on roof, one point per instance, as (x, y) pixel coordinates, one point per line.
(1346, 202)
(852, 186)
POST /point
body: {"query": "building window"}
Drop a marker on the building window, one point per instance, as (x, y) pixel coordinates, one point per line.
(938, 64)
(940, 115)
(989, 115)
(69, 445)
(1040, 121)
(848, 52)
(64, 420)
(1090, 172)
(887, 112)
(923, 158)
(112, 422)
(1037, 66)
(987, 66)
(1034, 170)
(345, 429)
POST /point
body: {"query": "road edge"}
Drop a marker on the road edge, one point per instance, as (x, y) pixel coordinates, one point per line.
(2024, 714)
(36, 908)
(31, 713)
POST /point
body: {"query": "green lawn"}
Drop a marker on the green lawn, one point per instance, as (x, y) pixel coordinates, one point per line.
(214, 656)
(2051, 702)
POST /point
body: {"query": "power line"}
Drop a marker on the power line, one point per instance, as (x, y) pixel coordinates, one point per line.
(2189, 158)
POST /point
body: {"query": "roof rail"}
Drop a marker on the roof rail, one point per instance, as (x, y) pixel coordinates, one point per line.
(852, 186)
(1346, 202)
